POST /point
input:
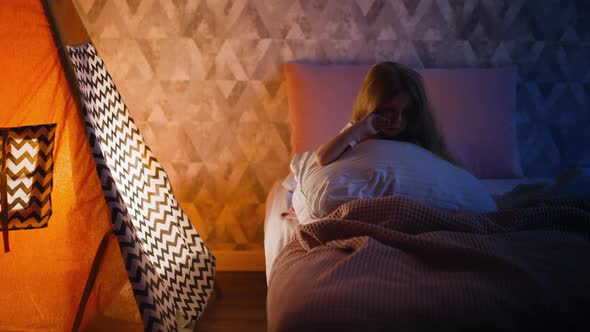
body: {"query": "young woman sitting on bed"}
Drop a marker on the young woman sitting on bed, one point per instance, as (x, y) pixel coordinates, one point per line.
(391, 104)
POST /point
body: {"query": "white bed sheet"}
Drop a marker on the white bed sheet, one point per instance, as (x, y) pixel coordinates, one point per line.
(278, 230)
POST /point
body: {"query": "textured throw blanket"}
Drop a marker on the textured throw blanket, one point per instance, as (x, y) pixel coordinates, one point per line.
(392, 264)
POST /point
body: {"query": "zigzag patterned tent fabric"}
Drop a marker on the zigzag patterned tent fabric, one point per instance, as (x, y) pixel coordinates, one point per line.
(169, 265)
(26, 168)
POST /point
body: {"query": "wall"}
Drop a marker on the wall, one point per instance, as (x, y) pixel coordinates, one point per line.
(202, 78)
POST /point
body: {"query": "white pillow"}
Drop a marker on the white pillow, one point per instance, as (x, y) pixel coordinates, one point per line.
(289, 182)
(377, 168)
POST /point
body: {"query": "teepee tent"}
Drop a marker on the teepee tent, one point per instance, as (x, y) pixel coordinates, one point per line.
(86, 210)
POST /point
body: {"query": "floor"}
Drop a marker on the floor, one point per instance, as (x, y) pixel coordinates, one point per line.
(241, 307)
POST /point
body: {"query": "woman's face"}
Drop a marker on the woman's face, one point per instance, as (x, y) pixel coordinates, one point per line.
(392, 115)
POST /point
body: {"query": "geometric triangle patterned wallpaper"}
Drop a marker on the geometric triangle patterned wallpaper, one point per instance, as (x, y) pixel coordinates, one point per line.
(203, 81)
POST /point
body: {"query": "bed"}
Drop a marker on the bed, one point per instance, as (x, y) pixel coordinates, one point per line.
(279, 227)
(519, 270)
(393, 263)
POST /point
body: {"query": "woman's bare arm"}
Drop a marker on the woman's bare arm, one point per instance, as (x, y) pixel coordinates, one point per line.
(333, 148)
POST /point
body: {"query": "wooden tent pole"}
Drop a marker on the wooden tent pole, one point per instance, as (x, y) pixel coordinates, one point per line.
(66, 22)
(67, 29)
(91, 279)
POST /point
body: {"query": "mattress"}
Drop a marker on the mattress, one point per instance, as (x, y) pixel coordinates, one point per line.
(278, 230)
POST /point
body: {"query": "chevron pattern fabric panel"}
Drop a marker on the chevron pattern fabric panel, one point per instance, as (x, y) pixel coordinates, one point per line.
(197, 71)
(28, 162)
(169, 266)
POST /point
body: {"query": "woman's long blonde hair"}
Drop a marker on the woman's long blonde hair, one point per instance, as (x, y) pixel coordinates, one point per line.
(386, 80)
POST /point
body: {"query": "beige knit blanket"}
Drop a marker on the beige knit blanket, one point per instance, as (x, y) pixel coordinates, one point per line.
(392, 264)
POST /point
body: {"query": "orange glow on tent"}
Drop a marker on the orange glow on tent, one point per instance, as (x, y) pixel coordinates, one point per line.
(44, 273)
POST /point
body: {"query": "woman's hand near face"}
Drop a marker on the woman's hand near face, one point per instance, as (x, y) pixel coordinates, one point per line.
(370, 125)
(375, 123)
(385, 122)
(350, 136)
(389, 122)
